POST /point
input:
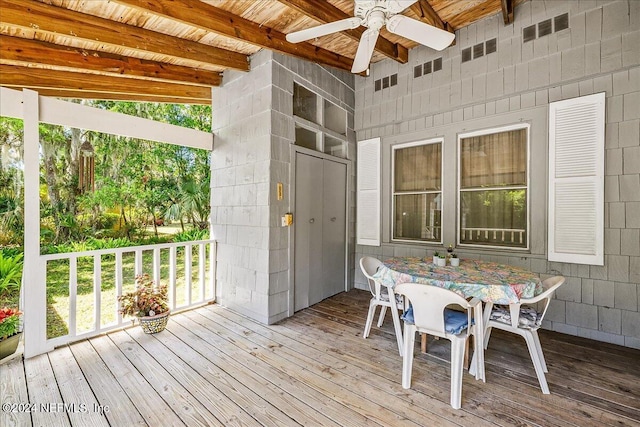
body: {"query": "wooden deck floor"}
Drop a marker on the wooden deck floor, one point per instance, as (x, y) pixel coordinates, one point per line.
(214, 367)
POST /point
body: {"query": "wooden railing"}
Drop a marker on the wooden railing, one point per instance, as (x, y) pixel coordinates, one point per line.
(113, 273)
(513, 235)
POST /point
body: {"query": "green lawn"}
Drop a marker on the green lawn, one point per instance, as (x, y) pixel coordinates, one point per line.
(58, 288)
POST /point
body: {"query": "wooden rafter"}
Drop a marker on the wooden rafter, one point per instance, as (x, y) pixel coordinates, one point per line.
(16, 49)
(425, 12)
(219, 21)
(60, 21)
(507, 11)
(104, 87)
(324, 12)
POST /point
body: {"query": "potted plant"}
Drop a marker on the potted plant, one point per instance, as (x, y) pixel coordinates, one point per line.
(10, 332)
(441, 261)
(436, 255)
(454, 260)
(148, 303)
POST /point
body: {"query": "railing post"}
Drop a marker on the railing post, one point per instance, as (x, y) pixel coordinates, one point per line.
(34, 275)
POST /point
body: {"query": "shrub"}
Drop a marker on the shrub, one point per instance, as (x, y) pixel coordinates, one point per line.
(193, 234)
(9, 322)
(10, 273)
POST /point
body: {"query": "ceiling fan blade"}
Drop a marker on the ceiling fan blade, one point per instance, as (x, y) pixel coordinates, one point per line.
(365, 50)
(323, 30)
(419, 32)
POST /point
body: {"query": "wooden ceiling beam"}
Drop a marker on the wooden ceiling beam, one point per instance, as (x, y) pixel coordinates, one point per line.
(507, 11)
(16, 49)
(79, 83)
(76, 94)
(219, 21)
(45, 18)
(325, 12)
(428, 15)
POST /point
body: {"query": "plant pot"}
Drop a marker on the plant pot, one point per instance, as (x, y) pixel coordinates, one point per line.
(153, 324)
(10, 345)
(441, 262)
(455, 262)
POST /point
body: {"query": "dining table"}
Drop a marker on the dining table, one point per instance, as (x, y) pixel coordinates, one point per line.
(491, 282)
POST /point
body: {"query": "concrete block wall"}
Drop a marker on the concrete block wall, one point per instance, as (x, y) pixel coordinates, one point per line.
(599, 52)
(254, 132)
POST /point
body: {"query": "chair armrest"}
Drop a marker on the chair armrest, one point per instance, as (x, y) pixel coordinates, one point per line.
(474, 301)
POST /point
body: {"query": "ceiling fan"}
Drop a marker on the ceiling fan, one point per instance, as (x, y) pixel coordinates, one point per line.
(374, 14)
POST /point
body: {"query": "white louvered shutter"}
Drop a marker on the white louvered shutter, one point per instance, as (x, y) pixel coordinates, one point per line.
(368, 193)
(576, 180)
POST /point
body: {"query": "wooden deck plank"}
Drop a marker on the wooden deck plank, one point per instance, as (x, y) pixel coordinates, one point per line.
(207, 384)
(183, 403)
(315, 369)
(13, 390)
(350, 363)
(431, 374)
(325, 378)
(43, 390)
(146, 399)
(107, 390)
(75, 390)
(295, 387)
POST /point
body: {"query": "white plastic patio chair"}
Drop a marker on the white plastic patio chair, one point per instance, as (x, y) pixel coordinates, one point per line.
(382, 296)
(429, 314)
(523, 319)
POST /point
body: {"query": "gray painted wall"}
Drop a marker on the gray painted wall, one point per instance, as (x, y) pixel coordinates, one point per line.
(599, 52)
(254, 135)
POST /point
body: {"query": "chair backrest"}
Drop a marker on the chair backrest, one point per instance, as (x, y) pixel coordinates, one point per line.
(549, 285)
(429, 303)
(369, 266)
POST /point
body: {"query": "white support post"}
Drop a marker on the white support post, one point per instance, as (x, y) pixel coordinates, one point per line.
(34, 279)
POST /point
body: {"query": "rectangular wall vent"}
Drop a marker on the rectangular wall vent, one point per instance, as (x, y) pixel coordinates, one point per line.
(529, 33)
(478, 50)
(437, 64)
(385, 82)
(491, 46)
(378, 85)
(417, 71)
(466, 54)
(393, 79)
(544, 28)
(561, 22)
(426, 68)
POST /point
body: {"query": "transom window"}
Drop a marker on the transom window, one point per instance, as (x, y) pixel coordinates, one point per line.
(319, 124)
(494, 178)
(417, 191)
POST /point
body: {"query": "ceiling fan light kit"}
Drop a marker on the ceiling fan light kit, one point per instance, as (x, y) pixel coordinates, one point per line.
(374, 14)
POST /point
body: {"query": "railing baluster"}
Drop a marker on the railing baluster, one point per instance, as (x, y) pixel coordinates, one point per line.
(212, 268)
(73, 294)
(118, 278)
(97, 291)
(187, 271)
(138, 268)
(172, 276)
(156, 265)
(201, 270)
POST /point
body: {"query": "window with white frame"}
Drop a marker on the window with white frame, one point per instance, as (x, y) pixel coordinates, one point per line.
(319, 124)
(417, 191)
(493, 199)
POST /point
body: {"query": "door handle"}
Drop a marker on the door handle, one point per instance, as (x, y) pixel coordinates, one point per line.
(333, 219)
(312, 220)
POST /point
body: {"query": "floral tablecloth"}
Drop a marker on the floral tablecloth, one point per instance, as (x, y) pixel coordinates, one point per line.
(488, 281)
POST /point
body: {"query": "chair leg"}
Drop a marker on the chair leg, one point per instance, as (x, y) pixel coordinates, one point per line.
(383, 311)
(457, 355)
(398, 328)
(536, 338)
(367, 325)
(407, 357)
(487, 335)
(423, 342)
(533, 352)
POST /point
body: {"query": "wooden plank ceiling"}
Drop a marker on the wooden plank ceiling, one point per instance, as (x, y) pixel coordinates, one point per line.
(174, 51)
